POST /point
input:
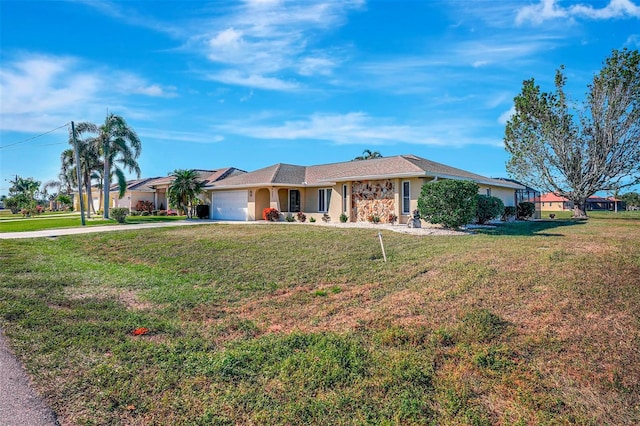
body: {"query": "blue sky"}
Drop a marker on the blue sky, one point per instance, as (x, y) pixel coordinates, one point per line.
(252, 83)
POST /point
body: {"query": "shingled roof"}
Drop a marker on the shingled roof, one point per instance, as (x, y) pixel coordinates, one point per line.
(207, 176)
(328, 174)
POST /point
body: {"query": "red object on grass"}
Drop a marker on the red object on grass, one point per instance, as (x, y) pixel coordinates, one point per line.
(140, 331)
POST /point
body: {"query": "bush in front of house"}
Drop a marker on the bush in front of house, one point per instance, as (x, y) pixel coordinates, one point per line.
(451, 203)
(526, 209)
(270, 214)
(119, 213)
(144, 206)
(301, 217)
(488, 208)
(202, 211)
(344, 218)
(508, 213)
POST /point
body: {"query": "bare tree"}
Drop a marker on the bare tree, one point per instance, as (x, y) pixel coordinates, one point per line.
(576, 154)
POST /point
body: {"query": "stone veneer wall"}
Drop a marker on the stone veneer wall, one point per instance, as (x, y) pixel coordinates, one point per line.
(373, 197)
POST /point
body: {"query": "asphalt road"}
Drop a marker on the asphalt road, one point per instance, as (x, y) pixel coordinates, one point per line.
(19, 404)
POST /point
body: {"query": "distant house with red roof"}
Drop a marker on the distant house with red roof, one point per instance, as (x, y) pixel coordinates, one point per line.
(552, 202)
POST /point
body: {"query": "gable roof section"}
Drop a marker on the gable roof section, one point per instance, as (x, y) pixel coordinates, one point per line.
(329, 174)
(150, 184)
(136, 185)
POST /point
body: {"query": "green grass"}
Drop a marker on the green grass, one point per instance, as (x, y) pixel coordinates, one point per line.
(596, 214)
(37, 223)
(41, 223)
(527, 323)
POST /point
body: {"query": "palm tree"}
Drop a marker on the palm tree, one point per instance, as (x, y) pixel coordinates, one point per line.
(119, 147)
(367, 154)
(89, 162)
(184, 189)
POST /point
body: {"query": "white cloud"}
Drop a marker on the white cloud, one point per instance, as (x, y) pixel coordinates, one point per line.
(550, 9)
(360, 128)
(506, 116)
(537, 13)
(177, 136)
(133, 84)
(41, 92)
(252, 80)
(615, 9)
(633, 40)
(262, 38)
(316, 66)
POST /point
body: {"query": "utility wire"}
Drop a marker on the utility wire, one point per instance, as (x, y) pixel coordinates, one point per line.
(9, 148)
(34, 137)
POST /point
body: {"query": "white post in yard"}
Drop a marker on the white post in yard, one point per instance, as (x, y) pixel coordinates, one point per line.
(384, 255)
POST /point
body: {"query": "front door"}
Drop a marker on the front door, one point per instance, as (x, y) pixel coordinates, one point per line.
(294, 201)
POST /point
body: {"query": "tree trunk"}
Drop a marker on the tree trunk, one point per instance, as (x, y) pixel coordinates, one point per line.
(579, 209)
(87, 189)
(106, 184)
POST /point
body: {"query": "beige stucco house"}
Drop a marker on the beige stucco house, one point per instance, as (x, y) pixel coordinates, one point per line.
(382, 187)
(153, 190)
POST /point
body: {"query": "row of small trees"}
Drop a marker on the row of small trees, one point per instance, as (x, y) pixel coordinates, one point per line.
(454, 203)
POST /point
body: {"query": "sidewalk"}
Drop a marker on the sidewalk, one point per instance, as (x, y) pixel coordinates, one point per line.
(19, 404)
(91, 229)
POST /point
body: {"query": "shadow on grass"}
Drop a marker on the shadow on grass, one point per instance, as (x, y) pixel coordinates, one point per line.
(530, 228)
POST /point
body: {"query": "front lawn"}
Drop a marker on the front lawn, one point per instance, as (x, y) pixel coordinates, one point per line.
(41, 223)
(38, 224)
(528, 323)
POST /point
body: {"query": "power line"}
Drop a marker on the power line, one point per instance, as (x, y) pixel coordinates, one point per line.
(36, 146)
(34, 137)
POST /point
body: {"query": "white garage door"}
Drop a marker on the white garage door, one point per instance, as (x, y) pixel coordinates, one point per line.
(229, 205)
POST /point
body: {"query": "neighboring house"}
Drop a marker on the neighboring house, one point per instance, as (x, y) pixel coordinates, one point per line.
(610, 203)
(154, 190)
(555, 203)
(552, 202)
(96, 194)
(383, 187)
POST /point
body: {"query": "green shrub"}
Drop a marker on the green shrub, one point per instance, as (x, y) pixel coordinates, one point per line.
(135, 213)
(344, 218)
(488, 208)
(144, 213)
(509, 212)
(451, 203)
(312, 220)
(119, 213)
(202, 210)
(526, 209)
(289, 218)
(144, 206)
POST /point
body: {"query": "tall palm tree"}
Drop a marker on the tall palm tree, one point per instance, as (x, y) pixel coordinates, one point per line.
(119, 148)
(89, 161)
(367, 154)
(184, 189)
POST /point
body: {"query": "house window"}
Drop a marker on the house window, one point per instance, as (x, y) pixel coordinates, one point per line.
(406, 197)
(294, 200)
(344, 198)
(488, 192)
(324, 198)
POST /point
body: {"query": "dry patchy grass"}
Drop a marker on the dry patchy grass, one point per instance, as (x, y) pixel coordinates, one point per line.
(533, 323)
